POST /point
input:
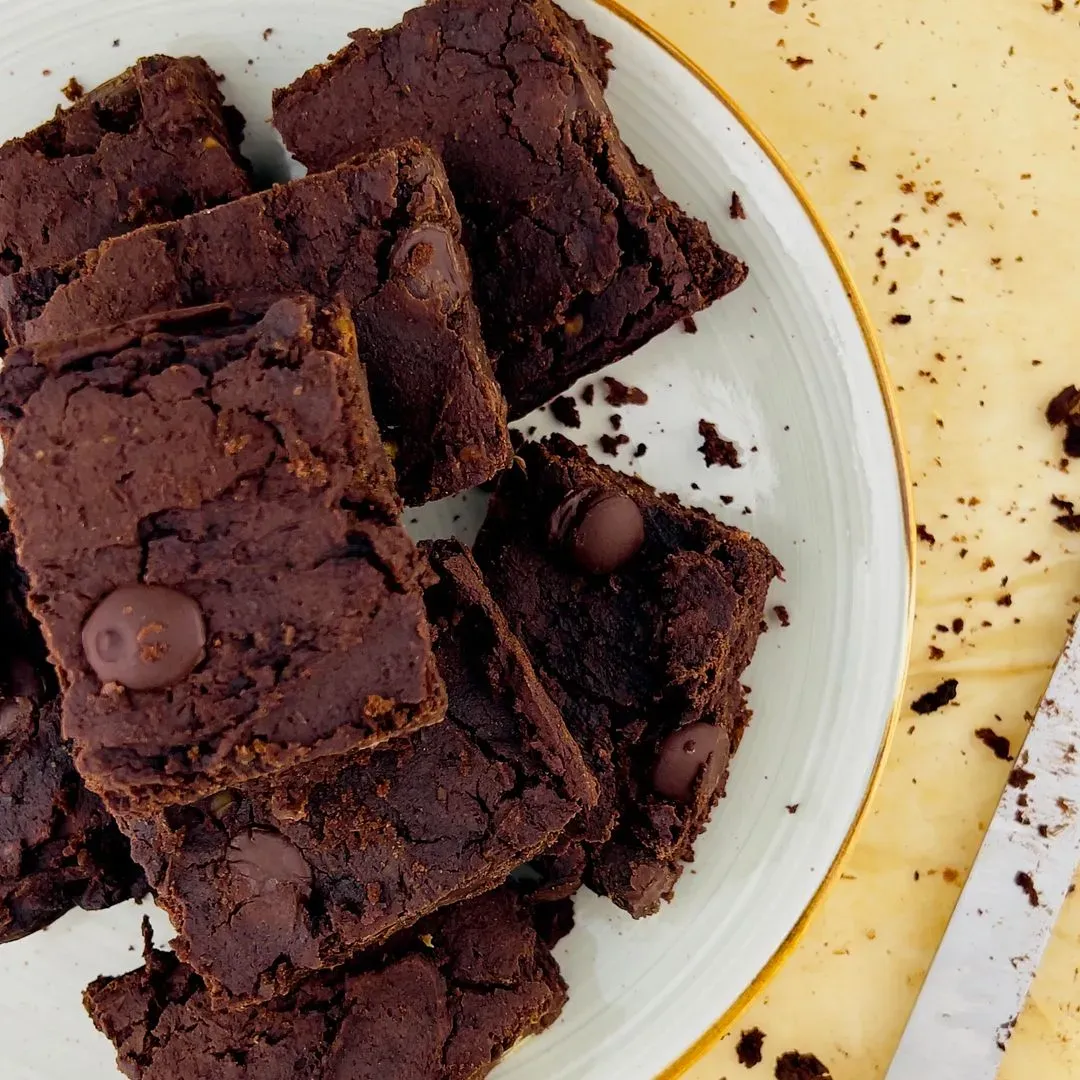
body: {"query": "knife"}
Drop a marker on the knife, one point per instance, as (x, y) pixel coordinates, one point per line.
(981, 973)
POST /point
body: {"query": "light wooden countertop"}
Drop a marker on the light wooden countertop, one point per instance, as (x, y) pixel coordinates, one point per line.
(966, 118)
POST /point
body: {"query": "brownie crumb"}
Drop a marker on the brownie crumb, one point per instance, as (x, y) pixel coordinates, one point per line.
(1032, 557)
(958, 625)
(796, 63)
(901, 319)
(715, 449)
(116, 43)
(565, 411)
(641, 450)
(792, 808)
(796, 1066)
(857, 165)
(1020, 777)
(935, 699)
(619, 394)
(925, 535)
(781, 613)
(936, 653)
(615, 420)
(267, 32)
(72, 89)
(727, 500)
(610, 443)
(1024, 880)
(1069, 521)
(588, 394)
(778, 6)
(748, 1048)
(738, 211)
(689, 324)
(1000, 745)
(1005, 600)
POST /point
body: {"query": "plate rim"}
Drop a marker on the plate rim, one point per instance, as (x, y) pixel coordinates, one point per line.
(713, 1034)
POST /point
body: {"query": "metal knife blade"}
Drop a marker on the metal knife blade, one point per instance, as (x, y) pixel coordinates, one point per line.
(982, 971)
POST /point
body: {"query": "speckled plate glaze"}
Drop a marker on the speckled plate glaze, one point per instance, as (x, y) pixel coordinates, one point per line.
(786, 367)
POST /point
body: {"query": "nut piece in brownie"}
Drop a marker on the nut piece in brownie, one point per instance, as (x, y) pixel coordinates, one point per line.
(578, 257)
(59, 848)
(153, 144)
(640, 615)
(383, 233)
(445, 1004)
(209, 525)
(277, 878)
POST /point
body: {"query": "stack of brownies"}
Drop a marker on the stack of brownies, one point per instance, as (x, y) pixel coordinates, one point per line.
(363, 778)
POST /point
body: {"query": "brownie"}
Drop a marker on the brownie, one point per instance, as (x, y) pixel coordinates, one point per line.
(209, 524)
(154, 144)
(641, 615)
(59, 848)
(384, 233)
(279, 877)
(446, 1005)
(578, 256)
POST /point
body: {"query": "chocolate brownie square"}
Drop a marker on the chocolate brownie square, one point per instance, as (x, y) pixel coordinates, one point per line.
(641, 615)
(445, 1005)
(274, 879)
(59, 848)
(382, 232)
(578, 256)
(153, 144)
(209, 524)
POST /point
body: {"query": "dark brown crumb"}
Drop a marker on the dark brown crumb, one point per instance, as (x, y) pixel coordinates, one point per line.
(925, 535)
(903, 239)
(267, 32)
(748, 1048)
(641, 450)
(727, 500)
(1000, 745)
(46, 72)
(615, 420)
(779, 6)
(935, 699)
(738, 211)
(689, 325)
(72, 89)
(986, 564)
(792, 808)
(798, 62)
(588, 394)
(565, 411)
(1020, 777)
(715, 449)
(1024, 880)
(901, 319)
(1059, 503)
(619, 394)
(116, 43)
(958, 625)
(781, 613)
(610, 443)
(1032, 557)
(1064, 407)
(856, 164)
(1054, 6)
(796, 1066)
(1069, 521)
(936, 653)
(1005, 600)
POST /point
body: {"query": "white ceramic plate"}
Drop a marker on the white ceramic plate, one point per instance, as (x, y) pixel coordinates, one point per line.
(784, 367)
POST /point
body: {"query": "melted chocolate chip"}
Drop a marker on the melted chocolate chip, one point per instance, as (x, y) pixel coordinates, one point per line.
(427, 261)
(262, 861)
(602, 530)
(697, 749)
(144, 637)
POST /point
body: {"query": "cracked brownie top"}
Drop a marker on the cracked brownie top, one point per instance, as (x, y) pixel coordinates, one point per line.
(578, 257)
(384, 234)
(209, 525)
(296, 872)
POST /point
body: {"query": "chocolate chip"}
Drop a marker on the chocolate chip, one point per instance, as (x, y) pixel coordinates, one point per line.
(429, 264)
(695, 750)
(144, 637)
(263, 861)
(602, 530)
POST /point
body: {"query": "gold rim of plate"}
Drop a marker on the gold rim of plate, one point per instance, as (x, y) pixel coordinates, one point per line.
(715, 1032)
